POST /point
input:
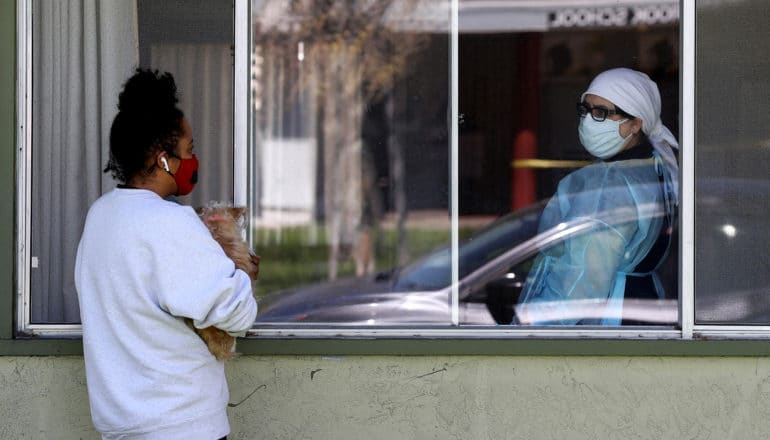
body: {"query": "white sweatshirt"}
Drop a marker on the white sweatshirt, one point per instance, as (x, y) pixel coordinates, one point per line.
(142, 265)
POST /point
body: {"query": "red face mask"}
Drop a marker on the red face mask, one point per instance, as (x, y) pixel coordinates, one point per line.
(186, 176)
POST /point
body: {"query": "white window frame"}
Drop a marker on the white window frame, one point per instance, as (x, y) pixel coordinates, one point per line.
(24, 188)
(690, 330)
(243, 132)
(24, 325)
(687, 170)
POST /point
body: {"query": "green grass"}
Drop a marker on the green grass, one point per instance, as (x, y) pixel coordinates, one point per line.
(295, 256)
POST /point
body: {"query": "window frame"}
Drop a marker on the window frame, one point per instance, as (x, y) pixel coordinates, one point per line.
(24, 327)
(24, 116)
(687, 170)
(16, 321)
(455, 331)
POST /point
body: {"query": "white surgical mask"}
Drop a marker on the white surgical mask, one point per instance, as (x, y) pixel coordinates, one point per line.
(602, 139)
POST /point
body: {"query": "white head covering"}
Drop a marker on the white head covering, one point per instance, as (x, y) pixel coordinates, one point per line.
(636, 94)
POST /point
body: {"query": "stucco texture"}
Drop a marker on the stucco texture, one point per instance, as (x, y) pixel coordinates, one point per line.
(394, 397)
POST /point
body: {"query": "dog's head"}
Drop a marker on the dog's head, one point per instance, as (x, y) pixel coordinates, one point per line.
(224, 219)
(226, 224)
(218, 212)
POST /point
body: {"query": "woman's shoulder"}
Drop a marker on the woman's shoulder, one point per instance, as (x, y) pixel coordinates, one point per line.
(605, 186)
(148, 208)
(615, 173)
(182, 214)
(590, 177)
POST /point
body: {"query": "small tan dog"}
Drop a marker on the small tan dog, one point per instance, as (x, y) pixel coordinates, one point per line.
(226, 223)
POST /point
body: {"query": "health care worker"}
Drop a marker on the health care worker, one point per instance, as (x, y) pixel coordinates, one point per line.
(626, 199)
(143, 265)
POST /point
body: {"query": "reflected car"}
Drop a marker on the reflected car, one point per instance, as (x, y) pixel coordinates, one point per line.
(492, 268)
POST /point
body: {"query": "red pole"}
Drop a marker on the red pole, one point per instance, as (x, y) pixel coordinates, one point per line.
(523, 180)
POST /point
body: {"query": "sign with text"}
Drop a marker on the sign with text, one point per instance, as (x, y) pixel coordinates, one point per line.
(617, 16)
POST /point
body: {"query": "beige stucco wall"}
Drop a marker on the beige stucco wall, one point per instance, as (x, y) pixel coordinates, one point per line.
(391, 397)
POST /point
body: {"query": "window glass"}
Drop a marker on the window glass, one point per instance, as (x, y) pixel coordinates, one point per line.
(81, 55)
(75, 61)
(522, 72)
(732, 275)
(193, 40)
(351, 154)
(350, 168)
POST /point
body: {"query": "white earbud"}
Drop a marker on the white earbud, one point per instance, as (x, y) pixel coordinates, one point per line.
(165, 164)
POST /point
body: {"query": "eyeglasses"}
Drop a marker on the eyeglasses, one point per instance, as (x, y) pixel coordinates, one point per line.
(598, 113)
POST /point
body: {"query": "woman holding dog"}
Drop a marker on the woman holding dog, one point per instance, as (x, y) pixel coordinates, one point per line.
(144, 264)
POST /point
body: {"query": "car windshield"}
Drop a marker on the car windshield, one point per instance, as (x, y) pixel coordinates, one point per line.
(434, 271)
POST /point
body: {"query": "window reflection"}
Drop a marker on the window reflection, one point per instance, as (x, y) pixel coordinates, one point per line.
(350, 137)
(525, 132)
(351, 148)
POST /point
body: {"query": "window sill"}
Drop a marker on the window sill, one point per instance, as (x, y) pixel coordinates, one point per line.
(263, 346)
(502, 347)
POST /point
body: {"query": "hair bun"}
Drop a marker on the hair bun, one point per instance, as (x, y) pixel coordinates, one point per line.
(148, 91)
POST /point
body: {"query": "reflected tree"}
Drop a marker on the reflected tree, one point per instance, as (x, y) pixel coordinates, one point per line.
(350, 53)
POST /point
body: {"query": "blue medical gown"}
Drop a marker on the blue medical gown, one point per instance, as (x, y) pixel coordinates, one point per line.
(619, 206)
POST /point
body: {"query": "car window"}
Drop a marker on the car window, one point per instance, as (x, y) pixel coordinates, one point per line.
(434, 271)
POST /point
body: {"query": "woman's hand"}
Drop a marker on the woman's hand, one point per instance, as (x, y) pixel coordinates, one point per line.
(254, 273)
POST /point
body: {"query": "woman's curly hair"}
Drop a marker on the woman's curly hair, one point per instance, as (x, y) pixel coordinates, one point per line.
(148, 120)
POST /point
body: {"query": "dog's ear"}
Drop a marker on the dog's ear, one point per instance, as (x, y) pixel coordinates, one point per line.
(237, 212)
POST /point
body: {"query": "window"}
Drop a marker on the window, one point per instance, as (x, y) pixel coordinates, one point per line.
(351, 144)
(78, 58)
(386, 213)
(731, 181)
(397, 157)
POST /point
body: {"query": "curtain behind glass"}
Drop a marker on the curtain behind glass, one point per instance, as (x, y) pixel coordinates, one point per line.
(204, 78)
(193, 40)
(83, 50)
